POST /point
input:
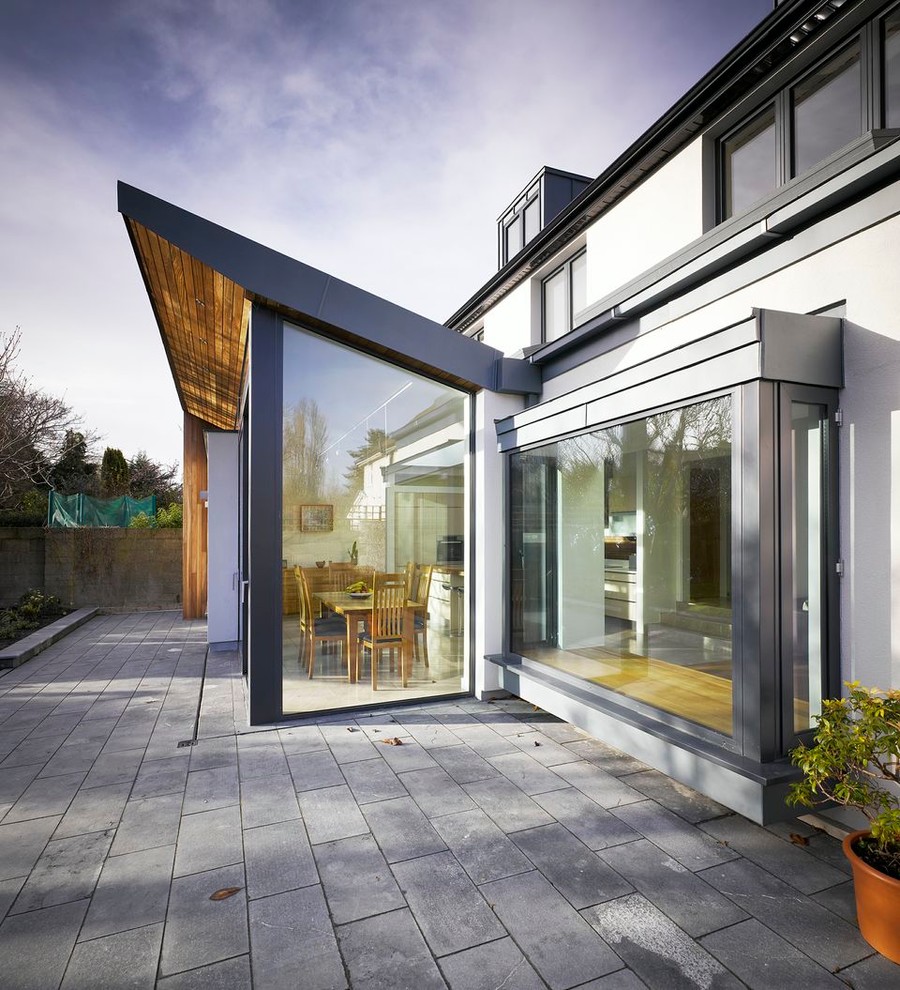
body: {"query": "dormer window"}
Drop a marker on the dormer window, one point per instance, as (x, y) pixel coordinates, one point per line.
(522, 222)
(544, 198)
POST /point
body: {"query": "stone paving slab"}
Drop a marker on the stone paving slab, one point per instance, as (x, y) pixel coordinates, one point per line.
(495, 846)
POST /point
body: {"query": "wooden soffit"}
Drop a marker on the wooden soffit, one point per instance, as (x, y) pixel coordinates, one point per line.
(203, 318)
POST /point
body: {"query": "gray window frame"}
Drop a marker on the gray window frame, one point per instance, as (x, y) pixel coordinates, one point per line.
(532, 196)
(263, 633)
(760, 695)
(831, 682)
(566, 266)
(873, 104)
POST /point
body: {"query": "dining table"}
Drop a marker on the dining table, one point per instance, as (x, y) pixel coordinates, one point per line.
(356, 609)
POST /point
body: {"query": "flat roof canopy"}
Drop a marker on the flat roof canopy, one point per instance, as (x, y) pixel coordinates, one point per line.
(202, 280)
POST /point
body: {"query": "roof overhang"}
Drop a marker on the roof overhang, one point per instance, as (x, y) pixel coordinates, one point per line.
(203, 279)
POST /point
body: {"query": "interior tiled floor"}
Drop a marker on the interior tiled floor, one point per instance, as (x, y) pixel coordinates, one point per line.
(466, 845)
(330, 689)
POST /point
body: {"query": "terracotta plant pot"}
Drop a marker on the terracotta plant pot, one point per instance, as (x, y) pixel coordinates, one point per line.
(877, 902)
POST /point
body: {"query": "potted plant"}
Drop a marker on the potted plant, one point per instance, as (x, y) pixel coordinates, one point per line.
(855, 762)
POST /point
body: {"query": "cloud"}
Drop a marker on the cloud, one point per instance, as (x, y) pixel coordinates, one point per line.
(375, 140)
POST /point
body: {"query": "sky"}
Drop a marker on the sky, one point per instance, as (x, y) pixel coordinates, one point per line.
(376, 140)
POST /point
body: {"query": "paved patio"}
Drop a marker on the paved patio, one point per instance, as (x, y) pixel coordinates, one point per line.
(494, 847)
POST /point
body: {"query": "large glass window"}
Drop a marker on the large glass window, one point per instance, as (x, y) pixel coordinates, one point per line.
(750, 163)
(827, 109)
(620, 568)
(374, 493)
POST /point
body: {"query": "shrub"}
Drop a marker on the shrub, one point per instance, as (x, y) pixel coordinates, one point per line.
(855, 762)
(141, 521)
(170, 518)
(34, 609)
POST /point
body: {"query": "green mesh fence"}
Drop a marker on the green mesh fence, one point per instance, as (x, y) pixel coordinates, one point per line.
(85, 510)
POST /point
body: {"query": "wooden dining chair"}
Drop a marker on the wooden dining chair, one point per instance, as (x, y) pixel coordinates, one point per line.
(387, 627)
(421, 595)
(316, 629)
(411, 578)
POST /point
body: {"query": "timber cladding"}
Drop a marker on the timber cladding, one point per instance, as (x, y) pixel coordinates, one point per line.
(203, 319)
(194, 566)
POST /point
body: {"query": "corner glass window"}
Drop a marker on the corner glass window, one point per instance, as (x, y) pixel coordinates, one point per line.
(374, 469)
(892, 70)
(620, 570)
(827, 108)
(750, 163)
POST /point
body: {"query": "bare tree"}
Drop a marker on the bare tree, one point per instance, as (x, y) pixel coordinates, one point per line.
(305, 436)
(33, 426)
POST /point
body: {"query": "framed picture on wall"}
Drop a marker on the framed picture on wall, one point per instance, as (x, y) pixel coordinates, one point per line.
(316, 518)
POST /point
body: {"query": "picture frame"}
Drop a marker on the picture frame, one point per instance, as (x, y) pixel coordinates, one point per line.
(316, 518)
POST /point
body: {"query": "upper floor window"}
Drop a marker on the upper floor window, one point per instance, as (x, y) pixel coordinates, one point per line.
(521, 223)
(827, 109)
(750, 162)
(564, 295)
(849, 92)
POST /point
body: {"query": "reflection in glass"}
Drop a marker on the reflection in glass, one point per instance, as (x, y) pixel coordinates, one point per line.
(532, 219)
(807, 517)
(374, 481)
(892, 70)
(621, 560)
(514, 238)
(556, 309)
(750, 163)
(827, 109)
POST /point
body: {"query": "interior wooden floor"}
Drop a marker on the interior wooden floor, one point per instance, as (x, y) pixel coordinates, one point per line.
(688, 692)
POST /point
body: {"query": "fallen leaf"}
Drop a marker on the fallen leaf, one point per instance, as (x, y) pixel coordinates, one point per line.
(798, 840)
(535, 708)
(224, 893)
(351, 729)
(393, 741)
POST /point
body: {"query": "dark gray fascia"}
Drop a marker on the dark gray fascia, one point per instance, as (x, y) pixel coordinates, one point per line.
(313, 297)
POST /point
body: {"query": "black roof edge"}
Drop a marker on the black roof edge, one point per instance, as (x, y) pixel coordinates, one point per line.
(781, 21)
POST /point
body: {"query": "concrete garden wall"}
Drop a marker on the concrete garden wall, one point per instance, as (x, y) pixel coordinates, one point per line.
(116, 569)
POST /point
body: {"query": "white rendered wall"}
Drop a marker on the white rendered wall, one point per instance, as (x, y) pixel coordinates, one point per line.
(509, 325)
(653, 221)
(223, 603)
(487, 603)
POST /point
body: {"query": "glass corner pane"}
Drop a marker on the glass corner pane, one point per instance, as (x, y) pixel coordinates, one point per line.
(620, 570)
(374, 517)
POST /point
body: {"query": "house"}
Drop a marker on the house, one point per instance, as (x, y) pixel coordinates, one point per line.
(653, 463)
